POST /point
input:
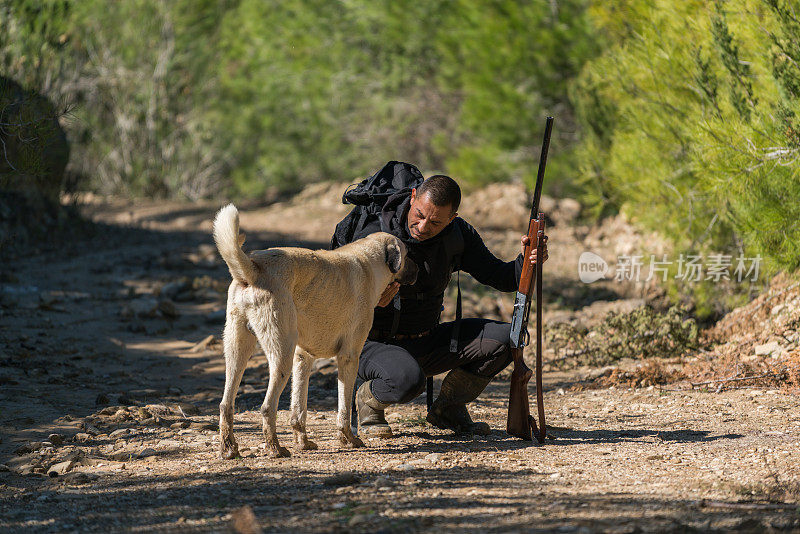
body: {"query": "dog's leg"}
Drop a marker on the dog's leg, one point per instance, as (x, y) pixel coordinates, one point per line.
(239, 345)
(348, 367)
(300, 374)
(279, 350)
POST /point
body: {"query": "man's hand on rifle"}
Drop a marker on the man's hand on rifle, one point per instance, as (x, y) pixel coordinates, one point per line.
(388, 294)
(545, 255)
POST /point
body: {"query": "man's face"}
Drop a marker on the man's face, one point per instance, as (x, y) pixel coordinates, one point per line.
(426, 219)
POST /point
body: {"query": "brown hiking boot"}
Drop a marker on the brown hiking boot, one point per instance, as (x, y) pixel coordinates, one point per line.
(371, 419)
(449, 410)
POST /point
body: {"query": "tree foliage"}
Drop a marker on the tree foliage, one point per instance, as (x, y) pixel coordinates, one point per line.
(193, 98)
(690, 122)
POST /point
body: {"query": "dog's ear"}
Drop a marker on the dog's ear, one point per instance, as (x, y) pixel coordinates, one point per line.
(394, 258)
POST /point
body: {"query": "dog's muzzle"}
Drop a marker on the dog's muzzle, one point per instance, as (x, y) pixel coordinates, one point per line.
(408, 275)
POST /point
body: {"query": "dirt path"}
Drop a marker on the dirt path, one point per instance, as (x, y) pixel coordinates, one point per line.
(102, 345)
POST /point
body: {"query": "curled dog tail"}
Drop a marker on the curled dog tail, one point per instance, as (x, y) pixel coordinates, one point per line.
(229, 243)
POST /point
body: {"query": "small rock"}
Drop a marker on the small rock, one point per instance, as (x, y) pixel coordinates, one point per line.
(25, 469)
(357, 519)
(777, 309)
(120, 432)
(382, 482)
(90, 429)
(122, 455)
(158, 410)
(101, 399)
(243, 521)
(82, 437)
(433, 457)
(28, 447)
(61, 468)
(393, 417)
(768, 348)
(56, 439)
(147, 451)
(180, 425)
(4, 468)
(405, 467)
(341, 479)
(421, 462)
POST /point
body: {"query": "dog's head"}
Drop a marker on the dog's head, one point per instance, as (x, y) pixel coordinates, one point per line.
(403, 268)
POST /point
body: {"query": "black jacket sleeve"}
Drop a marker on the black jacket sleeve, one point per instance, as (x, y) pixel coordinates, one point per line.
(484, 266)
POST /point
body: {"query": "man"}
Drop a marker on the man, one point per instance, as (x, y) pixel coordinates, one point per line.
(407, 343)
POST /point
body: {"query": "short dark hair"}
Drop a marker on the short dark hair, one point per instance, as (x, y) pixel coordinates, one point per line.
(442, 190)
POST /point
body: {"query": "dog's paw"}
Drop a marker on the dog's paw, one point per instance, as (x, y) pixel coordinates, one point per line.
(279, 452)
(306, 445)
(351, 443)
(228, 449)
(228, 453)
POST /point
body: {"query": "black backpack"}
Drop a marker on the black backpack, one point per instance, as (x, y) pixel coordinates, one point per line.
(369, 196)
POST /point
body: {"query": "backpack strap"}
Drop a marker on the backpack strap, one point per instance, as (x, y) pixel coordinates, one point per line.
(396, 317)
(454, 246)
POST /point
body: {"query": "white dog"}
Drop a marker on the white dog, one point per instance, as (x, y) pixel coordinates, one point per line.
(301, 304)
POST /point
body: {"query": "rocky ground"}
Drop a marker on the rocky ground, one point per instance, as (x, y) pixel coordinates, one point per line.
(112, 373)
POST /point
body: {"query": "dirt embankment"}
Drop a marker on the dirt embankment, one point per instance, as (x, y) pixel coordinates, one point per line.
(110, 387)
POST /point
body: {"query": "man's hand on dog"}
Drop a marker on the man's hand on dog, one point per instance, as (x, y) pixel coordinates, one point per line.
(388, 294)
(525, 240)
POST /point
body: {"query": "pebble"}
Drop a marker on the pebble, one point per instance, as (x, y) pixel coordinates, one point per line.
(121, 455)
(120, 432)
(405, 467)
(25, 448)
(382, 482)
(90, 429)
(147, 451)
(61, 468)
(357, 520)
(433, 457)
(82, 437)
(243, 521)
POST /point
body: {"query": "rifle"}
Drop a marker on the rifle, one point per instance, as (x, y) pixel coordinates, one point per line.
(520, 423)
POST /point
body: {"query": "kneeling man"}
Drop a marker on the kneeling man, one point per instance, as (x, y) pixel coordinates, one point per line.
(407, 343)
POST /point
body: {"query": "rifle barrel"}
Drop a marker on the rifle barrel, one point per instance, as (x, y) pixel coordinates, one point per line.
(537, 192)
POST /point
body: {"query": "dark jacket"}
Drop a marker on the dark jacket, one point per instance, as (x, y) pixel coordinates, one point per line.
(421, 303)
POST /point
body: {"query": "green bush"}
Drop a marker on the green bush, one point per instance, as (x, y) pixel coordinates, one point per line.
(690, 123)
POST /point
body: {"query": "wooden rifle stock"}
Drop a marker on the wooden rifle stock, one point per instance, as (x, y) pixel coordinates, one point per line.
(520, 423)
